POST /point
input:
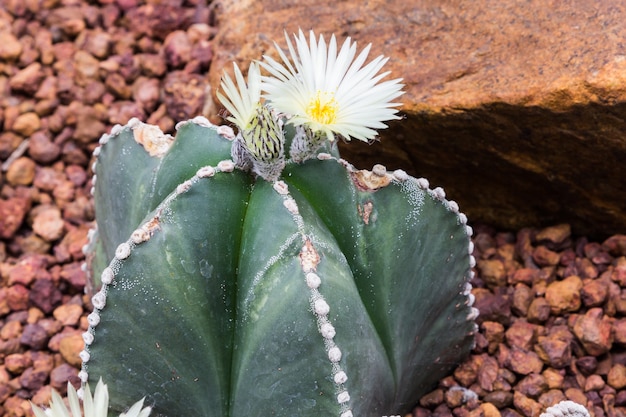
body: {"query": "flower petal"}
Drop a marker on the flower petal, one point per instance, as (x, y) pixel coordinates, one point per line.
(72, 398)
(136, 410)
(331, 92)
(100, 400)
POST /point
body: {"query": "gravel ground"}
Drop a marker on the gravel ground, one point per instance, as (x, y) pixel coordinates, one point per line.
(553, 305)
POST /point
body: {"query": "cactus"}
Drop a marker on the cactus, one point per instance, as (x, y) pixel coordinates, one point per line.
(294, 287)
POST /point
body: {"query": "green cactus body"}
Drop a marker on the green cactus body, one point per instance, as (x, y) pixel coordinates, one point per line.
(329, 292)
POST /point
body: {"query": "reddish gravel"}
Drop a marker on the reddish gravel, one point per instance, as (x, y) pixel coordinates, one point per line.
(553, 306)
(69, 71)
(552, 327)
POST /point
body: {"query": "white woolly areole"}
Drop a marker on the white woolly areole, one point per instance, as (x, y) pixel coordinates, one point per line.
(346, 414)
(202, 121)
(99, 300)
(139, 236)
(343, 397)
(87, 338)
(439, 193)
(134, 122)
(226, 165)
(205, 172)
(281, 187)
(323, 156)
(334, 354)
(327, 330)
(313, 281)
(340, 377)
(107, 275)
(321, 307)
(473, 314)
(184, 187)
(83, 376)
(93, 319)
(84, 356)
(467, 288)
(104, 138)
(379, 170)
(226, 131)
(122, 251)
(471, 299)
(117, 128)
(400, 175)
(423, 183)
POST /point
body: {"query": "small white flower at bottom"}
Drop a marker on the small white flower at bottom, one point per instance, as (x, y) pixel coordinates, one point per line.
(566, 409)
(96, 406)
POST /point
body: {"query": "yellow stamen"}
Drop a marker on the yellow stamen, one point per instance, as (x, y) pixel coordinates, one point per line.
(323, 108)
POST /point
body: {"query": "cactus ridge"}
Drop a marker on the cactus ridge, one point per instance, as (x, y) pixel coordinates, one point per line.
(309, 259)
(305, 244)
(142, 234)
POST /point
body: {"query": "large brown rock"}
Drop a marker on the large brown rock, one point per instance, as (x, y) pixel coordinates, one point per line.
(517, 109)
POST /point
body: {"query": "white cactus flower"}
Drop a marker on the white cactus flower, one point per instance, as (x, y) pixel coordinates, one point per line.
(331, 93)
(242, 99)
(260, 133)
(96, 406)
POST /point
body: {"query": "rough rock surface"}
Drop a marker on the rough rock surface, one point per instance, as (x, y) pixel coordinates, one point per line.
(517, 109)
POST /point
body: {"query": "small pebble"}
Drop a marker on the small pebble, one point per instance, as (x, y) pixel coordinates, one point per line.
(49, 224)
(564, 296)
(554, 234)
(68, 314)
(617, 376)
(594, 331)
(70, 348)
(21, 171)
(26, 124)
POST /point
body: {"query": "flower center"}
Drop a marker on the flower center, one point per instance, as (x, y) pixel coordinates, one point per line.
(323, 108)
